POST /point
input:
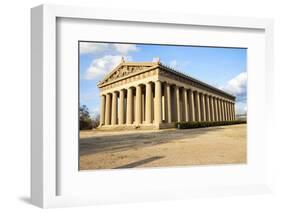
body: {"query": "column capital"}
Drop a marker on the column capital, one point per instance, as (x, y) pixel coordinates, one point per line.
(149, 82)
(191, 89)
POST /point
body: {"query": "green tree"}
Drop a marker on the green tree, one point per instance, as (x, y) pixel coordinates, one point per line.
(85, 121)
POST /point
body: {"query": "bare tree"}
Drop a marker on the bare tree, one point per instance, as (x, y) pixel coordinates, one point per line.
(96, 120)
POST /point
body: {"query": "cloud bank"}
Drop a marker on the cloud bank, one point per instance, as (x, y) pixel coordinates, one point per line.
(107, 57)
(237, 86)
(90, 48)
(101, 66)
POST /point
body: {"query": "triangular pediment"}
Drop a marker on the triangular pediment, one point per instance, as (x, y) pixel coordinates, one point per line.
(126, 69)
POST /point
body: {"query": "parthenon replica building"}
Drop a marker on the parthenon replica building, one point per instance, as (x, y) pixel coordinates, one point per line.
(152, 95)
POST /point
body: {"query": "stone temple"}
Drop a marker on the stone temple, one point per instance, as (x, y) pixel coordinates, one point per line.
(153, 96)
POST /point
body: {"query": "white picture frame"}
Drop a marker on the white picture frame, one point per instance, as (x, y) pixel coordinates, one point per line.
(45, 167)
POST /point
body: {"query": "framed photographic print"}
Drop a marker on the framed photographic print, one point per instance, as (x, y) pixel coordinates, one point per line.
(124, 103)
(129, 106)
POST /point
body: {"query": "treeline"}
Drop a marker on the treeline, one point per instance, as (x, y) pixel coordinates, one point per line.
(87, 122)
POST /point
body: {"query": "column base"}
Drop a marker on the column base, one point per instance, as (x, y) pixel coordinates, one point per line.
(135, 126)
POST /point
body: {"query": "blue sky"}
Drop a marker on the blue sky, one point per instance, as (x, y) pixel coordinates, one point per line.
(224, 68)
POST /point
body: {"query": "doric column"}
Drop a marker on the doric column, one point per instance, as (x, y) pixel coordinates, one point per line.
(114, 109)
(208, 114)
(227, 111)
(222, 110)
(130, 106)
(107, 109)
(233, 109)
(158, 102)
(185, 104)
(121, 107)
(102, 109)
(217, 104)
(174, 105)
(203, 107)
(148, 103)
(197, 106)
(219, 109)
(168, 103)
(142, 107)
(215, 109)
(178, 106)
(230, 111)
(138, 104)
(191, 105)
(212, 116)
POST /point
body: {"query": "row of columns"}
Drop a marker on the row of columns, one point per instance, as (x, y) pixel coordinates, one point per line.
(157, 102)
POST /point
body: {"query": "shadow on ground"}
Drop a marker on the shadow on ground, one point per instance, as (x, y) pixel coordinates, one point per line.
(124, 141)
(139, 163)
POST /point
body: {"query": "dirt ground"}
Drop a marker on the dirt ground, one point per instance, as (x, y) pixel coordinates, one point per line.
(162, 148)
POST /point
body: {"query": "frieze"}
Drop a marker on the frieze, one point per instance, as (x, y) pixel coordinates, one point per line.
(189, 82)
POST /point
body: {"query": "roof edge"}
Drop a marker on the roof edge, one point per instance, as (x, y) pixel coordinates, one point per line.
(195, 80)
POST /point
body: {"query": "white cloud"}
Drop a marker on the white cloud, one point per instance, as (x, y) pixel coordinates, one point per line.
(102, 66)
(238, 85)
(124, 49)
(89, 47)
